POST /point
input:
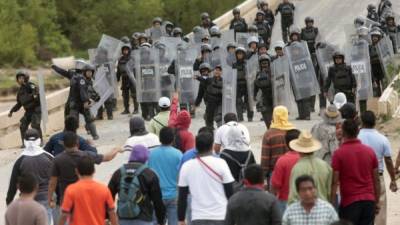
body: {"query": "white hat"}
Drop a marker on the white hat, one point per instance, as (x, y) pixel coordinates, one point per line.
(339, 100)
(164, 102)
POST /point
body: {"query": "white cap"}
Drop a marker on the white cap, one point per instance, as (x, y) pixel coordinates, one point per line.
(339, 100)
(164, 102)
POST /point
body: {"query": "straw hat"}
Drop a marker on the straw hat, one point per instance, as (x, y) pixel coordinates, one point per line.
(305, 143)
(331, 115)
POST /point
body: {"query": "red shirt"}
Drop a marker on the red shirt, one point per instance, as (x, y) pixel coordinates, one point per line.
(281, 174)
(355, 163)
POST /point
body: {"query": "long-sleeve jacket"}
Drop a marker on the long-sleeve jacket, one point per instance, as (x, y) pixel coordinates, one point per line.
(342, 78)
(27, 97)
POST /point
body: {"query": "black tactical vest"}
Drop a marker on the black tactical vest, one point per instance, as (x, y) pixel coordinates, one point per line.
(342, 79)
(309, 35)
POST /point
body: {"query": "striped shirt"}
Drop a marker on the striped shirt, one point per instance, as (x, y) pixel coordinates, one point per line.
(321, 214)
(273, 146)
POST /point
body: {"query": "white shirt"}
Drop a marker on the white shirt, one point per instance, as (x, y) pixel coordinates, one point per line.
(208, 195)
(149, 140)
(222, 139)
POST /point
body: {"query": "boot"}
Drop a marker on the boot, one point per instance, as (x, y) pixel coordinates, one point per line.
(93, 131)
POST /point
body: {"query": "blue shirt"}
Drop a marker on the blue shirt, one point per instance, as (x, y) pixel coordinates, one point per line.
(165, 160)
(55, 145)
(188, 155)
(379, 143)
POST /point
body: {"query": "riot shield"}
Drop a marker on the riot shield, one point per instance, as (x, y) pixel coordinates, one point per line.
(216, 42)
(108, 50)
(92, 55)
(167, 81)
(229, 79)
(155, 33)
(324, 57)
(43, 101)
(361, 67)
(385, 52)
(227, 36)
(147, 75)
(282, 90)
(252, 67)
(398, 42)
(198, 35)
(103, 85)
(302, 73)
(241, 39)
(185, 74)
(171, 44)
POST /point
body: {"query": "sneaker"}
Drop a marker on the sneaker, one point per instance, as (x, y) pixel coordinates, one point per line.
(96, 137)
(135, 111)
(125, 112)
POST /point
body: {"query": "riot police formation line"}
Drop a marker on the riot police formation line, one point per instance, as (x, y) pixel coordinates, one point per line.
(237, 70)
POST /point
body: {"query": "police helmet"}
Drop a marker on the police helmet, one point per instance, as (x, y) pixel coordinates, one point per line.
(157, 20)
(205, 66)
(236, 11)
(176, 31)
(264, 57)
(206, 47)
(214, 31)
(240, 49)
(252, 39)
(22, 73)
(204, 16)
(309, 20)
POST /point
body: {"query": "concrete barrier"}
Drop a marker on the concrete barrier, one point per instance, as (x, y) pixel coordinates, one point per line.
(9, 127)
(389, 102)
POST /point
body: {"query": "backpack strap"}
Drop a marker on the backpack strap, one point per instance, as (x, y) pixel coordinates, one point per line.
(158, 122)
(236, 161)
(221, 179)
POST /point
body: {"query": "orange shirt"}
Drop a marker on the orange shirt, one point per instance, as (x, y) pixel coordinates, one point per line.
(87, 202)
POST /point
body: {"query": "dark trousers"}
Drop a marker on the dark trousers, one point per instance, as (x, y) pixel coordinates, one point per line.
(266, 110)
(33, 118)
(109, 106)
(213, 112)
(359, 213)
(148, 110)
(129, 91)
(285, 24)
(363, 106)
(89, 120)
(303, 106)
(242, 104)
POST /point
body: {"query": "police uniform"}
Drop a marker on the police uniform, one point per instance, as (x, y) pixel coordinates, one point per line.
(392, 31)
(264, 31)
(377, 70)
(343, 80)
(263, 82)
(28, 98)
(242, 97)
(287, 15)
(213, 101)
(128, 88)
(238, 25)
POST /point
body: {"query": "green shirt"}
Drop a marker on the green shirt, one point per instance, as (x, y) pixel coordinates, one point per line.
(318, 169)
(158, 122)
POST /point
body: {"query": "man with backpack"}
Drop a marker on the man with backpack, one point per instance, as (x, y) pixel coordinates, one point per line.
(138, 189)
(165, 161)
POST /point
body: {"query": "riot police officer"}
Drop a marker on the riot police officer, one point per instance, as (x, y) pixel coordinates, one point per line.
(263, 28)
(278, 47)
(252, 44)
(252, 30)
(215, 32)
(168, 27)
(269, 15)
(242, 96)
(383, 7)
(287, 14)
(28, 98)
(376, 67)
(372, 14)
(206, 22)
(238, 24)
(82, 95)
(177, 32)
(310, 34)
(263, 82)
(392, 30)
(127, 86)
(205, 58)
(342, 78)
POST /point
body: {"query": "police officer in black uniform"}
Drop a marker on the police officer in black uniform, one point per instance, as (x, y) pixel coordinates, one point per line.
(372, 14)
(269, 15)
(342, 78)
(287, 14)
(127, 86)
(309, 34)
(206, 22)
(238, 24)
(28, 98)
(263, 28)
(377, 70)
(205, 58)
(263, 83)
(242, 95)
(392, 29)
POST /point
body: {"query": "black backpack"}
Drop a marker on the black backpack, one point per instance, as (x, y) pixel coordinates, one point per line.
(238, 185)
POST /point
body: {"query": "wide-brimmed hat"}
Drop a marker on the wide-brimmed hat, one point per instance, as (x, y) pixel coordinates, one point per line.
(305, 143)
(331, 115)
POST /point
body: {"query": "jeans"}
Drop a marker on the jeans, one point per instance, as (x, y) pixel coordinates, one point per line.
(282, 206)
(49, 210)
(171, 210)
(208, 222)
(134, 222)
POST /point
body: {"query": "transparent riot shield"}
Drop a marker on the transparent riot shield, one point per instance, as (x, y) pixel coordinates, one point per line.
(167, 81)
(302, 73)
(398, 42)
(216, 42)
(155, 33)
(385, 52)
(171, 44)
(241, 39)
(185, 74)
(103, 85)
(199, 34)
(252, 67)
(227, 36)
(229, 78)
(282, 89)
(43, 101)
(108, 50)
(217, 57)
(324, 57)
(92, 55)
(361, 67)
(147, 75)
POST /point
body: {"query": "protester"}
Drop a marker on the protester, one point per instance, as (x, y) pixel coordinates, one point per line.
(252, 205)
(33, 160)
(281, 176)
(325, 132)
(380, 144)
(161, 119)
(55, 144)
(347, 111)
(221, 133)
(339, 100)
(309, 164)
(135, 179)
(139, 135)
(63, 172)
(310, 209)
(164, 161)
(87, 201)
(273, 143)
(184, 139)
(210, 183)
(355, 170)
(237, 152)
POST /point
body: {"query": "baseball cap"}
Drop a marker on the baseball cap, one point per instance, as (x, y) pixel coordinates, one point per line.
(164, 102)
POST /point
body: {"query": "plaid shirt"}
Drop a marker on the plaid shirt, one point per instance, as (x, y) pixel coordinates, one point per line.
(273, 146)
(321, 214)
